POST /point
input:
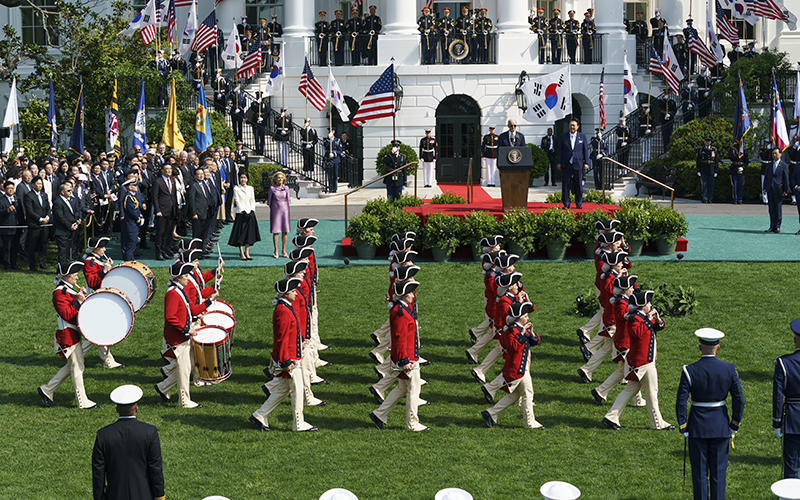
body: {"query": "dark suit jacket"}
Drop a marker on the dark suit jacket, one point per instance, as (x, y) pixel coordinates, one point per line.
(231, 172)
(63, 218)
(196, 202)
(505, 140)
(779, 180)
(392, 162)
(126, 462)
(20, 193)
(564, 151)
(7, 218)
(165, 201)
(34, 210)
(545, 144)
(215, 182)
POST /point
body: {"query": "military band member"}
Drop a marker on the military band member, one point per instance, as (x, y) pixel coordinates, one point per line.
(599, 150)
(572, 28)
(371, 28)
(481, 333)
(405, 359)
(283, 132)
(321, 30)
(588, 29)
(426, 25)
(539, 26)
(708, 429)
(353, 30)
(518, 338)
(338, 32)
(446, 27)
(786, 404)
(556, 28)
(639, 29)
(489, 152)
(95, 267)
(428, 153)
(737, 171)
(67, 299)
(658, 37)
(464, 29)
(287, 351)
(643, 323)
(707, 163)
(483, 26)
(274, 28)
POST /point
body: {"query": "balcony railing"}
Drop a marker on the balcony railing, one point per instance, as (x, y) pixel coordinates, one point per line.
(552, 55)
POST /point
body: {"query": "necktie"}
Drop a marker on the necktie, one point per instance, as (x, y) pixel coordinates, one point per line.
(203, 189)
(775, 167)
(39, 195)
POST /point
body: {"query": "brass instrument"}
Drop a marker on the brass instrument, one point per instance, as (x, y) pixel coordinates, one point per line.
(338, 34)
(371, 34)
(353, 42)
(321, 38)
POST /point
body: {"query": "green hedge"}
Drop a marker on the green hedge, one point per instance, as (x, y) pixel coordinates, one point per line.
(405, 149)
(589, 196)
(254, 177)
(687, 183)
(687, 139)
(540, 161)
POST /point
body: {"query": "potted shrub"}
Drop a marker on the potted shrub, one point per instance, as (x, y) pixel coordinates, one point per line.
(518, 228)
(554, 230)
(441, 234)
(400, 222)
(364, 231)
(667, 225)
(635, 224)
(380, 207)
(478, 225)
(587, 232)
(447, 198)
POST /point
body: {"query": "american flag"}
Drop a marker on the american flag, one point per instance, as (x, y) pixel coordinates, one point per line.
(697, 46)
(602, 101)
(379, 101)
(207, 33)
(171, 22)
(357, 3)
(252, 60)
(725, 27)
(311, 88)
(662, 69)
(149, 21)
(429, 4)
(183, 3)
(766, 8)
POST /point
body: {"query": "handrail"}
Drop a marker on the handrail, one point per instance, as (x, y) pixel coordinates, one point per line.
(615, 162)
(373, 182)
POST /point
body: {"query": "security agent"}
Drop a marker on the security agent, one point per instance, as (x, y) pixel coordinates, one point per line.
(126, 459)
(786, 404)
(708, 429)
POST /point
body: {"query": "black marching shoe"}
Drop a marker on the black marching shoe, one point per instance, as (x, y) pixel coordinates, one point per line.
(378, 422)
(488, 397)
(488, 419)
(597, 398)
(584, 378)
(378, 397)
(470, 358)
(472, 337)
(266, 391)
(611, 425)
(258, 424)
(46, 402)
(374, 338)
(164, 398)
(586, 353)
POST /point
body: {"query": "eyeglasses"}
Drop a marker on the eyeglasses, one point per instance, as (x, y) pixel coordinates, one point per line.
(512, 126)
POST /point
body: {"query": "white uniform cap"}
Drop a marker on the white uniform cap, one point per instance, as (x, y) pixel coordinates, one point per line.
(126, 394)
(709, 336)
(559, 490)
(338, 494)
(787, 489)
(453, 494)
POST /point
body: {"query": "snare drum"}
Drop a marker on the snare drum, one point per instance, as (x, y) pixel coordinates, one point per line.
(212, 354)
(106, 317)
(221, 305)
(135, 280)
(220, 319)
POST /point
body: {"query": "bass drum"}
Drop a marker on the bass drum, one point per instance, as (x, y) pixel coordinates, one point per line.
(106, 317)
(135, 280)
(212, 354)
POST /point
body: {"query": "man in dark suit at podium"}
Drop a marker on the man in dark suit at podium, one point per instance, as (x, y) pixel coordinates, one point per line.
(572, 152)
(512, 138)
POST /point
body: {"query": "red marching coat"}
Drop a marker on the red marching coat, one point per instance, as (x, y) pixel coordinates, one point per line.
(287, 344)
(93, 271)
(622, 340)
(178, 312)
(517, 343)
(606, 292)
(301, 307)
(197, 279)
(642, 334)
(405, 341)
(490, 293)
(501, 311)
(66, 304)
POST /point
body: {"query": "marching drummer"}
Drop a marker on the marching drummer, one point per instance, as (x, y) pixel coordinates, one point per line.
(95, 267)
(178, 331)
(197, 279)
(67, 299)
(285, 359)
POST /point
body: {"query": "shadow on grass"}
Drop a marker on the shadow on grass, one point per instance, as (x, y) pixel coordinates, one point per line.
(774, 461)
(755, 375)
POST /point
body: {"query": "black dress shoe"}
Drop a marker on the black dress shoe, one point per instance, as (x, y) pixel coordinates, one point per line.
(581, 336)
(611, 425)
(379, 374)
(258, 424)
(321, 382)
(426, 363)
(476, 377)
(770, 230)
(374, 338)
(586, 353)
(472, 337)
(488, 397)
(667, 428)
(321, 403)
(119, 367)
(378, 422)
(164, 398)
(313, 429)
(99, 407)
(266, 391)
(488, 419)
(778, 230)
(46, 402)
(798, 232)
(374, 358)
(579, 207)
(470, 359)
(378, 397)
(584, 378)
(597, 398)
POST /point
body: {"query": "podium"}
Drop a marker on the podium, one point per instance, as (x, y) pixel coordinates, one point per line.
(515, 166)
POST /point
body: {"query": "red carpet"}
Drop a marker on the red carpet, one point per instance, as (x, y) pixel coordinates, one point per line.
(479, 194)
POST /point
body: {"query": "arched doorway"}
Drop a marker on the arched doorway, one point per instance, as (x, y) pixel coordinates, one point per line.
(355, 135)
(458, 131)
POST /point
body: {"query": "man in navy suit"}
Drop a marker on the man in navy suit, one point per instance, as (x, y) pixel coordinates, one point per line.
(776, 183)
(709, 381)
(512, 138)
(786, 404)
(572, 151)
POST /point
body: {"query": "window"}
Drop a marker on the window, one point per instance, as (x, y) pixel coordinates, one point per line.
(547, 5)
(746, 30)
(631, 8)
(32, 25)
(255, 9)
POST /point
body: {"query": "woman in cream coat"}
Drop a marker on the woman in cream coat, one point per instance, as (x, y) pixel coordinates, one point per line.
(245, 227)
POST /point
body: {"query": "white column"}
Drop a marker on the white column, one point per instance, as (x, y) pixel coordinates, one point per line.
(400, 17)
(608, 17)
(299, 15)
(512, 16)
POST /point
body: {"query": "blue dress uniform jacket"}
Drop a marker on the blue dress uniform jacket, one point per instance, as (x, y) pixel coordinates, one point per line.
(786, 409)
(709, 380)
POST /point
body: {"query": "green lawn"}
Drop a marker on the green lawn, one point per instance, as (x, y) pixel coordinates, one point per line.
(46, 452)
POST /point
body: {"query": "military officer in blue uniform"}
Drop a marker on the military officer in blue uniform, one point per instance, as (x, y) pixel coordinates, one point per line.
(131, 219)
(708, 429)
(338, 33)
(371, 28)
(333, 156)
(599, 150)
(786, 404)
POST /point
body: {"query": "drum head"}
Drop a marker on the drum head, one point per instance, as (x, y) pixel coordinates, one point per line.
(210, 335)
(221, 305)
(220, 319)
(105, 318)
(130, 282)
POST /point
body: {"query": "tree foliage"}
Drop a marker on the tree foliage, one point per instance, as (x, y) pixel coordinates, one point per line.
(756, 75)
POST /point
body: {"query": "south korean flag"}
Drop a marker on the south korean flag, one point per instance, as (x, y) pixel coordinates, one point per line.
(549, 97)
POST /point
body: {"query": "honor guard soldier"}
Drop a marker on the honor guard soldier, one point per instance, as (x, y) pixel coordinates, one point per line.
(243, 26)
(238, 107)
(765, 154)
(240, 157)
(571, 28)
(623, 136)
(599, 150)
(338, 31)
(539, 26)
(489, 152)
(131, 219)
(786, 404)
(257, 114)
(588, 29)
(220, 92)
(667, 117)
(483, 25)
(428, 153)
(658, 37)
(395, 183)
(372, 27)
(750, 51)
(274, 28)
(707, 163)
(464, 27)
(308, 139)
(708, 429)
(263, 32)
(426, 25)
(681, 51)
(95, 267)
(556, 28)
(704, 84)
(691, 56)
(67, 299)
(321, 30)
(353, 30)
(283, 132)
(548, 145)
(639, 29)
(737, 170)
(656, 18)
(347, 145)
(333, 158)
(446, 28)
